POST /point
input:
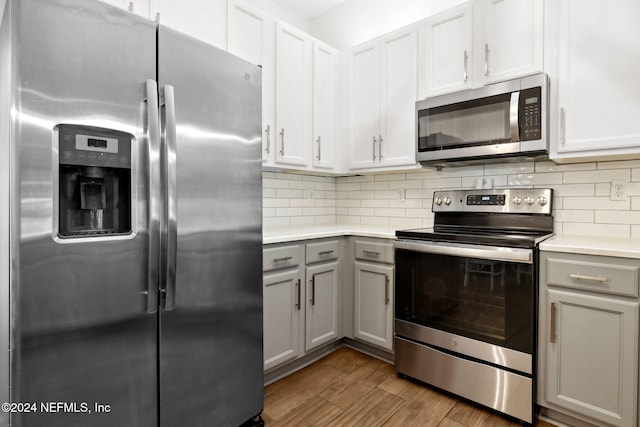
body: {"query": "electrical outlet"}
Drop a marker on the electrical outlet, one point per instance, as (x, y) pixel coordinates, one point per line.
(401, 194)
(618, 190)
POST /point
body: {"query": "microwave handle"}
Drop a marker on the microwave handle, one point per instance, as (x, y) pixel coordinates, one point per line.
(514, 114)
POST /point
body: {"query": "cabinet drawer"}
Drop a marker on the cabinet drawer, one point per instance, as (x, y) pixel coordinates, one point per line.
(323, 251)
(596, 274)
(372, 251)
(282, 257)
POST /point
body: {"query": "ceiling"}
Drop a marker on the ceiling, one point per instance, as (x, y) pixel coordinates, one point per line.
(309, 9)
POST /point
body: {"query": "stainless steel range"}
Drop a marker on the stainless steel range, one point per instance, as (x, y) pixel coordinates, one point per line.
(466, 296)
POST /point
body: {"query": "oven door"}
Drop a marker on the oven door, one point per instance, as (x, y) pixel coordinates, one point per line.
(483, 293)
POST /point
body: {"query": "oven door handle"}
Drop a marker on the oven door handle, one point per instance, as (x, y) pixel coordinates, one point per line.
(497, 253)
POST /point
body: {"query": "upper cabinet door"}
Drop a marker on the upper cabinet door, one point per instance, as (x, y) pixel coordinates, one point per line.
(511, 41)
(446, 54)
(364, 103)
(597, 86)
(293, 96)
(251, 36)
(194, 17)
(324, 104)
(398, 94)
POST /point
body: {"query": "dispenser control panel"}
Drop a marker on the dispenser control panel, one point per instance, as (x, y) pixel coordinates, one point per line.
(100, 147)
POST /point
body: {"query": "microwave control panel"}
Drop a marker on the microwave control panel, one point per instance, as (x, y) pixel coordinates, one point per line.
(530, 114)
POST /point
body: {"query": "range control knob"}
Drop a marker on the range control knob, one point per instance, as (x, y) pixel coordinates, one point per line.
(542, 200)
(529, 200)
(447, 201)
(516, 201)
(438, 201)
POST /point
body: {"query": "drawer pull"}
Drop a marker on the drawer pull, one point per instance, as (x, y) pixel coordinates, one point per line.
(371, 253)
(589, 278)
(287, 258)
(299, 292)
(325, 252)
(313, 290)
(386, 290)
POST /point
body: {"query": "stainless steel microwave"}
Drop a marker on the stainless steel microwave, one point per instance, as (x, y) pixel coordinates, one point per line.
(498, 122)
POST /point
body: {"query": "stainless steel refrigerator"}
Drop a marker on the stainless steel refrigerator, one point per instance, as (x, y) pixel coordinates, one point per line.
(130, 222)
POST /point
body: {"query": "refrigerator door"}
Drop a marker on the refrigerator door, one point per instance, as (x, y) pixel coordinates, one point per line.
(82, 335)
(211, 326)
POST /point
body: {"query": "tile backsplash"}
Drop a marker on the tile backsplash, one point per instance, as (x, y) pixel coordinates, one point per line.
(582, 203)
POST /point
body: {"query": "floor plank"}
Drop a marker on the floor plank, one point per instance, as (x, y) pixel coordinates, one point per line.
(349, 388)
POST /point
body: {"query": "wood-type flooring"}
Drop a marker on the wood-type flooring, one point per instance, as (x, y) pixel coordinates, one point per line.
(349, 388)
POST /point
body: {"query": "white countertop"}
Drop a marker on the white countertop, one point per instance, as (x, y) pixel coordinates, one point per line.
(605, 246)
(306, 232)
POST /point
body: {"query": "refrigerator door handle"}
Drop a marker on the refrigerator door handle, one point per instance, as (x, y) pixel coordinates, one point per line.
(153, 185)
(171, 227)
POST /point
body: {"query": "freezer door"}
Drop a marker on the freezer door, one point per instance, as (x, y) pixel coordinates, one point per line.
(211, 326)
(83, 344)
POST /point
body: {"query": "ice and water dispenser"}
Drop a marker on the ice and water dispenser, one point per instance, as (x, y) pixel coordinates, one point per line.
(94, 176)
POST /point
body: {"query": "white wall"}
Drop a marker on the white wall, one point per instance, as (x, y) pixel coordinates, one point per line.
(280, 13)
(357, 21)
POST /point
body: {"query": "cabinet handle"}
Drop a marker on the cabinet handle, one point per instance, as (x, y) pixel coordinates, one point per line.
(486, 59)
(282, 141)
(299, 291)
(562, 127)
(319, 157)
(374, 148)
(589, 278)
(386, 290)
(466, 59)
(276, 260)
(380, 148)
(313, 290)
(325, 252)
(268, 132)
(552, 323)
(130, 6)
(371, 253)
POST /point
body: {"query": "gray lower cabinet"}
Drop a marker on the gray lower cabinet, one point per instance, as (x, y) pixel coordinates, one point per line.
(373, 293)
(588, 338)
(301, 285)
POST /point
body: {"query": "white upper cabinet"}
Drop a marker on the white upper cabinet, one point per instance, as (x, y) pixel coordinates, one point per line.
(325, 79)
(595, 109)
(194, 17)
(510, 41)
(479, 43)
(382, 86)
(293, 96)
(251, 36)
(446, 52)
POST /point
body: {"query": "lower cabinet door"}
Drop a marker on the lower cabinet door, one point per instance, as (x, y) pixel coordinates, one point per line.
(373, 309)
(282, 299)
(322, 305)
(592, 356)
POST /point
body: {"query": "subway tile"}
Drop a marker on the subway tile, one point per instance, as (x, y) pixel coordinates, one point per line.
(573, 215)
(404, 203)
(635, 231)
(268, 192)
(549, 166)
(509, 168)
(289, 176)
(390, 177)
(393, 185)
(594, 203)
(288, 211)
(635, 174)
(476, 170)
(313, 211)
(567, 190)
(275, 222)
(348, 203)
(267, 212)
(362, 211)
(325, 219)
(535, 179)
(596, 176)
(301, 185)
(361, 194)
(401, 223)
(275, 183)
(351, 186)
(301, 203)
(624, 164)
(442, 183)
(391, 194)
(347, 219)
(302, 220)
(389, 212)
(373, 220)
(375, 203)
(417, 213)
(315, 178)
(361, 178)
(618, 217)
(275, 203)
(325, 186)
(424, 175)
(383, 185)
(283, 193)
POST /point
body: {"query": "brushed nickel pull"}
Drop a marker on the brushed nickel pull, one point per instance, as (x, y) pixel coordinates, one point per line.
(486, 59)
(466, 59)
(299, 291)
(268, 132)
(562, 126)
(319, 157)
(282, 141)
(374, 148)
(380, 148)
(287, 258)
(386, 290)
(325, 252)
(313, 290)
(589, 278)
(371, 253)
(552, 326)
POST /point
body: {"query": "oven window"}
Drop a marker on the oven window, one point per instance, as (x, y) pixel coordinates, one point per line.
(491, 301)
(478, 122)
